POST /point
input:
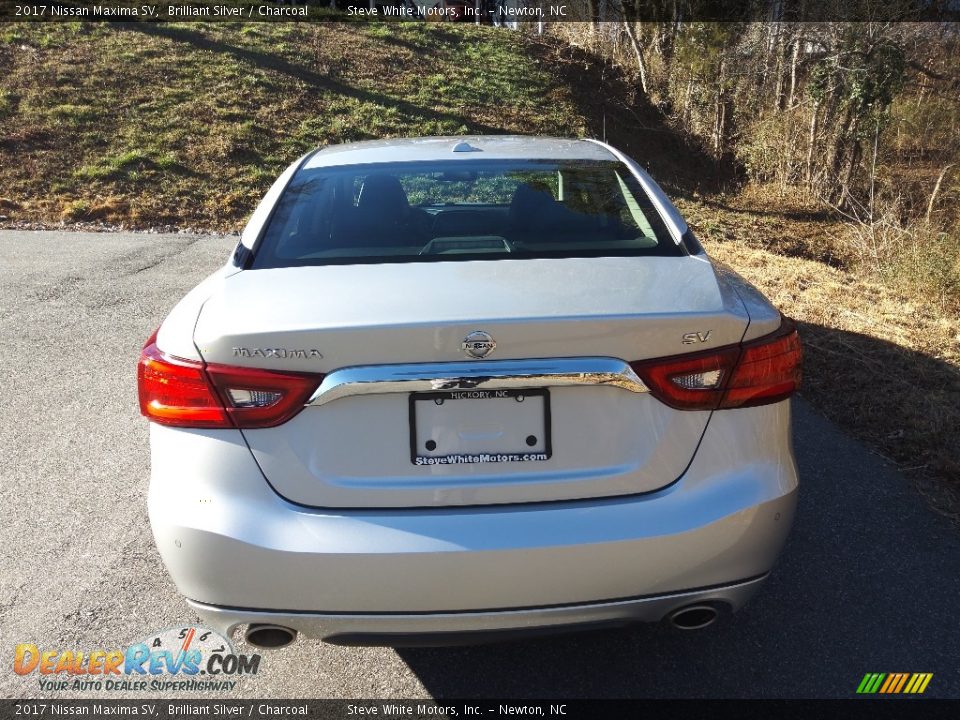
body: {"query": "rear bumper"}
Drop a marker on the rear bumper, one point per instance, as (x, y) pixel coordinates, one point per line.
(230, 542)
(399, 630)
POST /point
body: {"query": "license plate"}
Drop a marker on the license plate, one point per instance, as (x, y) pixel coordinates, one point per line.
(479, 426)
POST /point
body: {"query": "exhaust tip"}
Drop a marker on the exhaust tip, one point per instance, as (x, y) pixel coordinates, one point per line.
(269, 637)
(693, 617)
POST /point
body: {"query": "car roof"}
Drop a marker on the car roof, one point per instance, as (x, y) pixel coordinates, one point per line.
(462, 147)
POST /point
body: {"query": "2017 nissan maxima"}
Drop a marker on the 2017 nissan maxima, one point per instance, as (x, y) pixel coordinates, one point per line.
(447, 389)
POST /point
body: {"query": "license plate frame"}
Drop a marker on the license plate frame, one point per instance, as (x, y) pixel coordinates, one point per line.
(465, 396)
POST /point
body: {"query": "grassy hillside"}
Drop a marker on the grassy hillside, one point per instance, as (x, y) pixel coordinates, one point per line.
(188, 124)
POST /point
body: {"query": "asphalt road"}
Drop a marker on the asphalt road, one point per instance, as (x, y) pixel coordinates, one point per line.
(869, 582)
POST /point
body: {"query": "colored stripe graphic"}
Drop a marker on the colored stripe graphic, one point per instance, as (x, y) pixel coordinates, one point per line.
(870, 683)
(903, 680)
(894, 683)
(892, 679)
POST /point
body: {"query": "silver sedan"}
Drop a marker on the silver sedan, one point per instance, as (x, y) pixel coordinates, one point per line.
(454, 389)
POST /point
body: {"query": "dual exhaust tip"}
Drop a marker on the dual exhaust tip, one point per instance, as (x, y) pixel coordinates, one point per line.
(693, 617)
(274, 637)
(269, 637)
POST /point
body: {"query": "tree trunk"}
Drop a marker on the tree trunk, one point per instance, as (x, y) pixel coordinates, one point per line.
(723, 111)
(720, 121)
(716, 125)
(639, 53)
(856, 152)
(936, 190)
(665, 42)
(838, 154)
(594, 10)
(853, 160)
(779, 96)
(873, 169)
(794, 57)
(812, 141)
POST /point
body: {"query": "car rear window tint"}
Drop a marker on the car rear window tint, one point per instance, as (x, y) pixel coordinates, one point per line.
(462, 210)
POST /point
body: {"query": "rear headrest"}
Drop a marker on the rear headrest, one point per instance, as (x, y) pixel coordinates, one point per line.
(383, 195)
(528, 204)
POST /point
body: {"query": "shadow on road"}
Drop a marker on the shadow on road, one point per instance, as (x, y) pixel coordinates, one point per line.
(891, 397)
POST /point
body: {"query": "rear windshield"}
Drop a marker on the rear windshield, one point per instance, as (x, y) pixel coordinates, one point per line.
(457, 210)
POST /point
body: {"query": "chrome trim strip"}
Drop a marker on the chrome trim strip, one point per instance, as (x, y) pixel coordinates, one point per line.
(490, 374)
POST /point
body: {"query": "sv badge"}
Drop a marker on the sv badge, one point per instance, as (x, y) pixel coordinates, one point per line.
(696, 337)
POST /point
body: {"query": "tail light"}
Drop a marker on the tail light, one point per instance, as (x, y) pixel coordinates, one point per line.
(756, 373)
(190, 393)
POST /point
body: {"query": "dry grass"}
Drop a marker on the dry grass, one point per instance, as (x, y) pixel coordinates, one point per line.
(884, 366)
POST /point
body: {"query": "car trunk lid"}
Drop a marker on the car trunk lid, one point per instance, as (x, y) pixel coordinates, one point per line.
(361, 449)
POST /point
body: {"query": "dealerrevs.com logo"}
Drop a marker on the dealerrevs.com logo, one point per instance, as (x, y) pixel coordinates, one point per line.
(190, 659)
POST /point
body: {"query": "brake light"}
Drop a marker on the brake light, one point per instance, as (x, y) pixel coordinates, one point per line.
(768, 370)
(760, 372)
(262, 398)
(191, 393)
